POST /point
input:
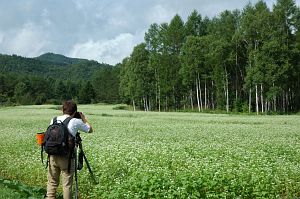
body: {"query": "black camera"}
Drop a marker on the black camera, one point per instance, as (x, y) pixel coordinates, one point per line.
(77, 115)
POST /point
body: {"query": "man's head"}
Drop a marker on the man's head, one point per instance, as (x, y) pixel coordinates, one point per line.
(69, 107)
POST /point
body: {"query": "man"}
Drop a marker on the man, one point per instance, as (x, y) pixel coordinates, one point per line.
(60, 164)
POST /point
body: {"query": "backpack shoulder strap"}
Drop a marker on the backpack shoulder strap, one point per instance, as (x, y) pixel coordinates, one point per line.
(54, 120)
(67, 120)
(42, 150)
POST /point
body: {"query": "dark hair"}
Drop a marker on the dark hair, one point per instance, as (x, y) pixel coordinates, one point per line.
(69, 107)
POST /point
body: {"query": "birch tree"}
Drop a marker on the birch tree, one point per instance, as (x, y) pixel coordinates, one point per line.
(192, 59)
(255, 27)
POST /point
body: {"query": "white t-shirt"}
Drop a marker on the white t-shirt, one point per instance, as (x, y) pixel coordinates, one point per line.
(74, 125)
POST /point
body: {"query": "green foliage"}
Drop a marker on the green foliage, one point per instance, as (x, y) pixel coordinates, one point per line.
(194, 25)
(121, 107)
(242, 56)
(74, 71)
(14, 189)
(193, 59)
(106, 84)
(53, 78)
(86, 93)
(57, 59)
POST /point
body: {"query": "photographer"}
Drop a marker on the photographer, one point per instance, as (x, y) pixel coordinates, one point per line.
(63, 165)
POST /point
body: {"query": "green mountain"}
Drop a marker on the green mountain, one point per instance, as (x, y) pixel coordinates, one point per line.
(58, 59)
(45, 79)
(50, 65)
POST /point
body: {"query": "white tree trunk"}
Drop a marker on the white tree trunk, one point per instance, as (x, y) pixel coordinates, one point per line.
(275, 106)
(197, 92)
(133, 104)
(274, 102)
(250, 100)
(236, 73)
(208, 100)
(227, 93)
(236, 94)
(159, 98)
(158, 89)
(212, 95)
(227, 98)
(185, 100)
(200, 93)
(205, 97)
(256, 99)
(261, 98)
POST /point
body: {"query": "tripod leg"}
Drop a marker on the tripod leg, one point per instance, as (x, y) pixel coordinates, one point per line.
(89, 167)
(80, 160)
(76, 176)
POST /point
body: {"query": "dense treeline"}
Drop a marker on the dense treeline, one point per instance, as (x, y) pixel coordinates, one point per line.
(58, 78)
(243, 60)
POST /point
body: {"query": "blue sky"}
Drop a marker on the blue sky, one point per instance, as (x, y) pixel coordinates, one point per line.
(102, 30)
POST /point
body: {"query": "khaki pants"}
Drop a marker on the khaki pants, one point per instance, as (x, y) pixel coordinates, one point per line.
(59, 165)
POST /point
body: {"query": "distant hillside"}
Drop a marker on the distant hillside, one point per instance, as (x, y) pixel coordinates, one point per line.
(58, 59)
(50, 65)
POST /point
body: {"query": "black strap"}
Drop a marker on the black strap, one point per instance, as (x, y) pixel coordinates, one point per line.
(69, 162)
(42, 150)
(67, 120)
(48, 161)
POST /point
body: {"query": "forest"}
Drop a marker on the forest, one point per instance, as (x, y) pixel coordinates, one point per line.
(53, 78)
(243, 60)
(238, 61)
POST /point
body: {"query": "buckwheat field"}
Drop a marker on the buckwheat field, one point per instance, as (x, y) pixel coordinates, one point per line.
(163, 155)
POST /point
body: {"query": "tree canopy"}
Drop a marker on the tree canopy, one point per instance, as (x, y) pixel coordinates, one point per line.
(241, 60)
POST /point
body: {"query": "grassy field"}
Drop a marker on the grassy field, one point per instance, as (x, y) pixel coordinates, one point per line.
(163, 155)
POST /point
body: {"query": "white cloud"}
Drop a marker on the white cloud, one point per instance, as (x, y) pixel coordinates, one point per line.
(45, 13)
(29, 41)
(1, 37)
(117, 22)
(108, 51)
(102, 30)
(78, 4)
(159, 14)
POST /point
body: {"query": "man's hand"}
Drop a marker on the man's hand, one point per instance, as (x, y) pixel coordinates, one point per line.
(85, 121)
(82, 117)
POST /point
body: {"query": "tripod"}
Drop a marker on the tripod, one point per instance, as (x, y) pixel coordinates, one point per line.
(79, 163)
